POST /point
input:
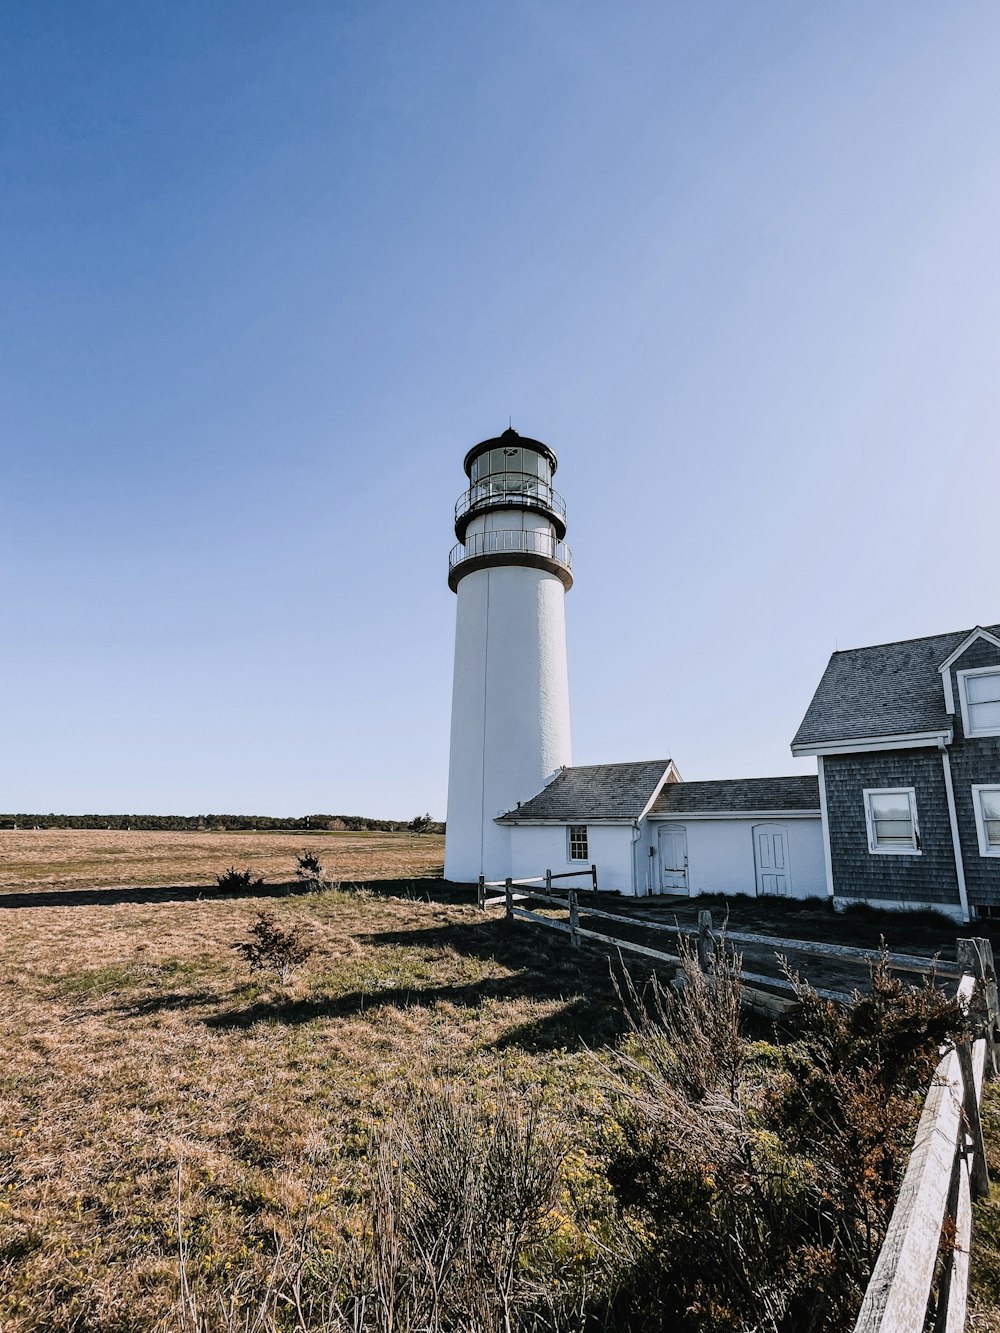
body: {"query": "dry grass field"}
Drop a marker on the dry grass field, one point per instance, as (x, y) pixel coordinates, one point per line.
(70, 858)
(134, 1038)
(137, 1044)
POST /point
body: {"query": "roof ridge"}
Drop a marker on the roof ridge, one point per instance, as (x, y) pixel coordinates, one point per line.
(614, 763)
(923, 638)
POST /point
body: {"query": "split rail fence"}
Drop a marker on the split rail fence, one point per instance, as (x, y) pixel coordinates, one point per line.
(922, 1271)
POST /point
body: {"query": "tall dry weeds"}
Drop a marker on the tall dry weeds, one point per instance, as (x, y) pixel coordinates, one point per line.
(456, 1216)
(755, 1196)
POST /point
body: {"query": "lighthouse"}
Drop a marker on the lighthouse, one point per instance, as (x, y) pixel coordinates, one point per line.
(511, 570)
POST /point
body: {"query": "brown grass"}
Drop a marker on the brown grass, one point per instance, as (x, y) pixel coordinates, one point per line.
(134, 1037)
(71, 858)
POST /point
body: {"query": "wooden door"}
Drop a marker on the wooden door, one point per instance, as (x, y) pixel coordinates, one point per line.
(673, 858)
(770, 853)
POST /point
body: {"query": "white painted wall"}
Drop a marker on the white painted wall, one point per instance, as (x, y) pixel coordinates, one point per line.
(721, 854)
(510, 724)
(510, 519)
(535, 849)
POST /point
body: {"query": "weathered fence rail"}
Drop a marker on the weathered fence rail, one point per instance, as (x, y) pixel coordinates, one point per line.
(545, 879)
(929, 1238)
(515, 901)
(923, 1265)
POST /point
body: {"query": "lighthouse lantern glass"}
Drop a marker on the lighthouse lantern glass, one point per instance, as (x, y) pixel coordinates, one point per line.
(510, 470)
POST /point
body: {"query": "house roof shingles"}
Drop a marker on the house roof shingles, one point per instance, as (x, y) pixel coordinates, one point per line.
(596, 791)
(890, 689)
(739, 796)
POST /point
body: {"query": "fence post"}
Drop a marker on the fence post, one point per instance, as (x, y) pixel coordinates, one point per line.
(482, 892)
(548, 882)
(976, 956)
(593, 872)
(574, 920)
(704, 939)
(979, 1174)
(509, 896)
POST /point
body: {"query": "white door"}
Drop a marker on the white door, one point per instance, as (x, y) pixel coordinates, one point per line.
(673, 844)
(770, 854)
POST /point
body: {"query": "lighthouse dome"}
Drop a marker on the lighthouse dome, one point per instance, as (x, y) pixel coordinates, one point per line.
(510, 440)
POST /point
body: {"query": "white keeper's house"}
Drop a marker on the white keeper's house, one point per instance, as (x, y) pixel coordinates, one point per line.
(903, 812)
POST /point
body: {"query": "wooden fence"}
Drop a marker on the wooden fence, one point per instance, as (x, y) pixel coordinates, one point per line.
(516, 893)
(924, 1259)
(925, 1255)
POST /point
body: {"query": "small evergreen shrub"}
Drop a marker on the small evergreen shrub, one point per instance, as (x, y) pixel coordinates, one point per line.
(309, 871)
(238, 881)
(270, 948)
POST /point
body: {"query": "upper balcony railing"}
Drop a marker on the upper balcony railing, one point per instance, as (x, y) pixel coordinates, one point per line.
(511, 488)
(529, 546)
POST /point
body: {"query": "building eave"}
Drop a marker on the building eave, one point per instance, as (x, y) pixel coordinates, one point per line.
(907, 740)
(682, 816)
(564, 820)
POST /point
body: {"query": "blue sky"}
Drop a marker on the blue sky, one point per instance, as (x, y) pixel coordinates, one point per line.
(267, 271)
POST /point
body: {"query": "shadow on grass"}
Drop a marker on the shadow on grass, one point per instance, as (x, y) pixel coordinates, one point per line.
(431, 890)
(170, 1000)
(578, 1019)
(540, 973)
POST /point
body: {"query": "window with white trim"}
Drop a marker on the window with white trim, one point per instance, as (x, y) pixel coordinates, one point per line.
(891, 816)
(980, 695)
(986, 801)
(578, 850)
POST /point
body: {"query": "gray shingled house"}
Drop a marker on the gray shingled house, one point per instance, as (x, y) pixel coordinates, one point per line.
(904, 812)
(649, 832)
(907, 739)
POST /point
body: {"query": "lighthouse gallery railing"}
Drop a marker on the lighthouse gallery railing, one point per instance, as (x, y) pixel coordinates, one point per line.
(512, 489)
(527, 542)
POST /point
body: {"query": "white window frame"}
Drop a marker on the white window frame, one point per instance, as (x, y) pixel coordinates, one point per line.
(977, 804)
(911, 794)
(974, 671)
(569, 843)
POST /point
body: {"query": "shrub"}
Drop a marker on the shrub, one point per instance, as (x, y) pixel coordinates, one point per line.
(755, 1195)
(459, 1207)
(309, 871)
(238, 881)
(269, 947)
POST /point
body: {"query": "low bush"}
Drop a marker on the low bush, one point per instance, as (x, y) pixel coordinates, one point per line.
(238, 881)
(755, 1194)
(309, 871)
(270, 948)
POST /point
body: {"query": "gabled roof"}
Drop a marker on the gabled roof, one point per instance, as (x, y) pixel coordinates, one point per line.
(888, 690)
(978, 633)
(594, 792)
(739, 796)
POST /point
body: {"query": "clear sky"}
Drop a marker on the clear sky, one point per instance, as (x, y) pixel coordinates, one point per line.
(268, 270)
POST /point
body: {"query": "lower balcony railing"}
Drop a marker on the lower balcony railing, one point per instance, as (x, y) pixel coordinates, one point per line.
(530, 543)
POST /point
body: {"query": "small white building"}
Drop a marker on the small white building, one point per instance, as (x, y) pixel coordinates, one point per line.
(649, 832)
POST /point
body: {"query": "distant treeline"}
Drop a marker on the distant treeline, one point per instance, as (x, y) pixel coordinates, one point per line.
(260, 823)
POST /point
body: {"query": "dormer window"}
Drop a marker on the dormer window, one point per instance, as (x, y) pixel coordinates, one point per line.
(979, 691)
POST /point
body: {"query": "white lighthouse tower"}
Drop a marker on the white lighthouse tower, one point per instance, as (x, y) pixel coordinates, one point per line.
(510, 731)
